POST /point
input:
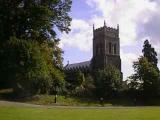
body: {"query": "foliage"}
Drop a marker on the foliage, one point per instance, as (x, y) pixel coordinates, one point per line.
(80, 78)
(30, 58)
(33, 19)
(74, 81)
(145, 79)
(79, 84)
(107, 82)
(134, 82)
(150, 53)
(29, 68)
(88, 86)
(148, 77)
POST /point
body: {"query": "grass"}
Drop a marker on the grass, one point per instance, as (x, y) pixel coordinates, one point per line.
(28, 113)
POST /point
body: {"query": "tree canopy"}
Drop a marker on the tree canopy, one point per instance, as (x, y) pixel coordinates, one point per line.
(107, 81)
(35, 19)
(29, 53)
(146, 76)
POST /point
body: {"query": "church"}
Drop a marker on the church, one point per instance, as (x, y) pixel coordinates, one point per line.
(106, 51)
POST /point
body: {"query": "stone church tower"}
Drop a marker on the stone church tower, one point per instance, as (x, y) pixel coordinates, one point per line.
(106, 51)
(106, 47)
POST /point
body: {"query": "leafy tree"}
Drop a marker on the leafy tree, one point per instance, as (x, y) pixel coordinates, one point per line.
(79, 78)
(88, 86)
(146, 72)
(58, 82)
(134, 82)
(107, 82)
(74, 80)
(36, 19)
(31, 70)
(29, 52)
(134, 87)
(27, 69)
(148, 75)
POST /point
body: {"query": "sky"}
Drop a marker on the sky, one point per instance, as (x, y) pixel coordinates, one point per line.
(138, 20)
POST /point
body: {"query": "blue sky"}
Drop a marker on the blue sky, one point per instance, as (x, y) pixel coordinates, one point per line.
(138, 20)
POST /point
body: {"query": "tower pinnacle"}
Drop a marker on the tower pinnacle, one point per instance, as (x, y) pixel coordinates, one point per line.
(104, 23)
(117, 26)
(93, 27)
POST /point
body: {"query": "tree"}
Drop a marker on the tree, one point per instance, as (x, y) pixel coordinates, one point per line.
(27, 69)
(29, 52)
(134, 87)
(108, 82)
(88, 86)
(133, 82)
(74, 81)
(150, 53)
(32, 19)
(145, 78)
(148, 75)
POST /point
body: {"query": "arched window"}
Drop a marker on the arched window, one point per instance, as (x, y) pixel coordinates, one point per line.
(101, 48)
(97, 49)
(115, 49)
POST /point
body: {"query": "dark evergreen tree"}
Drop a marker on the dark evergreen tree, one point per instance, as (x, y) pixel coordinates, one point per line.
(150, 53)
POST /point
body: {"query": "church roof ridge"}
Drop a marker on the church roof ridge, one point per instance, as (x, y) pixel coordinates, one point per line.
(79, 64)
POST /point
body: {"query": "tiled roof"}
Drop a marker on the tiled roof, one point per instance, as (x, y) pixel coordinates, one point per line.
(78, 65)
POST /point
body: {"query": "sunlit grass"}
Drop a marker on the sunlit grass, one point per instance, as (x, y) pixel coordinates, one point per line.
(24, 113)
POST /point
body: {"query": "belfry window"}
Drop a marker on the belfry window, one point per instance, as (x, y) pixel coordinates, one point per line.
(97, 49)
(110, 48)
(115, 49)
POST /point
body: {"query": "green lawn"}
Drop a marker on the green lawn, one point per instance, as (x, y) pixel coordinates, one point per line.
(24, 113)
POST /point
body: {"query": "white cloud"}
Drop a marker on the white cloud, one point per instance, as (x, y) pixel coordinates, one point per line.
(127, 63)
(126, 14)
(79, 37)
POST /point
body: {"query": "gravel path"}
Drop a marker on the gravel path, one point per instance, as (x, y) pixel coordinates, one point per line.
(19, 104)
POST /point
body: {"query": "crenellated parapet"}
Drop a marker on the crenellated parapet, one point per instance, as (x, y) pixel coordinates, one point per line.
(108, 31)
